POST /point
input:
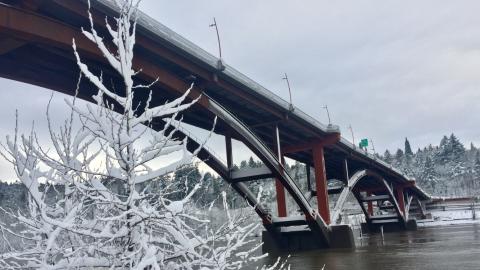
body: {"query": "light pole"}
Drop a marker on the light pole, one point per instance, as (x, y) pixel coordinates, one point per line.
(220, 65)
(328, 114)
(373, 146)
(291, 108)
(353, 137)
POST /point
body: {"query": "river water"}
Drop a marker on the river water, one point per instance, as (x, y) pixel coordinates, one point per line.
(432, 248)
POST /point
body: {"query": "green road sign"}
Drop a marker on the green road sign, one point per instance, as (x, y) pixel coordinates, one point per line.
(363, 143)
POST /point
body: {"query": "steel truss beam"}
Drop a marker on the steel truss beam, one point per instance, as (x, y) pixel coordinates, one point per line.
(250, 174)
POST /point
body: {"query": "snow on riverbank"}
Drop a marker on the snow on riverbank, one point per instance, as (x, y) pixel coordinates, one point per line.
(449, 217)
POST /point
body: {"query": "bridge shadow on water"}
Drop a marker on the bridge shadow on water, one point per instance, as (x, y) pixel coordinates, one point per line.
(432, 248)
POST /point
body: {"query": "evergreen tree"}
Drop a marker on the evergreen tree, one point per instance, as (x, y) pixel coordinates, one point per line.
(476, 171)
(457, 150)
(442, 156)
(458, 170)
(408, 157)
(472, 147)
(387, 157)
(476, 164)
(298, 172)
(186, 178)
(429, 175)
(399, 157)
(419, 157)
(252, 163)
(430, 148)
(444, 141)
(243, 164)
(217, 185)
(408, 149)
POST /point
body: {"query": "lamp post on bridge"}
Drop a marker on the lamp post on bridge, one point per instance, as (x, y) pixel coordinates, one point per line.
(328, 115)
(220, 65)
(290, 107)
(353, 137)
(373, 147)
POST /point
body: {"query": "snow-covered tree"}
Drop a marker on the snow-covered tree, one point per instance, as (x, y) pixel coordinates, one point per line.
(442, 155)
(472, 147)
(399, 155)
(408, 149)
(387, 157)
(452, 165)
(476, 164)
(243, 164)
(252, 163)
(429, 175)
(399, 159)
(456, 149)
(475, 172)
(185, 179)
(406, 163)
(106, 213)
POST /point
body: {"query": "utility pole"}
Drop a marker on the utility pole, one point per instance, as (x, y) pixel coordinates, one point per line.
(220, 65)
(290, 107)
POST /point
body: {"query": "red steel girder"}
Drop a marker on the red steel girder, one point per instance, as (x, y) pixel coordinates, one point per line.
(321, 183)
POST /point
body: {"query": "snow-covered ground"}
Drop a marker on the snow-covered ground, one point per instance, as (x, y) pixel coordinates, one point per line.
(449, 217)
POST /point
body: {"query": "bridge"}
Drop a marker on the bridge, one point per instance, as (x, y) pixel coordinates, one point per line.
(36, 48)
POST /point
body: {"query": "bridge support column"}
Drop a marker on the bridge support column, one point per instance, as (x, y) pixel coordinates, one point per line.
(281, 202)
(228, 147)
(370, 205)
(321, 182)
(280, 190)
(401, 199)
(346, 174)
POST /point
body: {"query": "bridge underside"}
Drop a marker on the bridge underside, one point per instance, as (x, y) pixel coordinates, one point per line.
(35, 48)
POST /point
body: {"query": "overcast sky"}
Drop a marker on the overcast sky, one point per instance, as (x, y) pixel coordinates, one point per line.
(391, 69)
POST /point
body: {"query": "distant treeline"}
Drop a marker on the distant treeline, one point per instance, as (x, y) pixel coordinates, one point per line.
(182, 181)
(447, 169)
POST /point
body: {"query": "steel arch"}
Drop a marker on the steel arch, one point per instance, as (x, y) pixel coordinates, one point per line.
(350, 189)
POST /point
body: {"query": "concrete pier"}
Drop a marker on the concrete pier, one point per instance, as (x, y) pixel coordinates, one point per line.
(301, 239)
